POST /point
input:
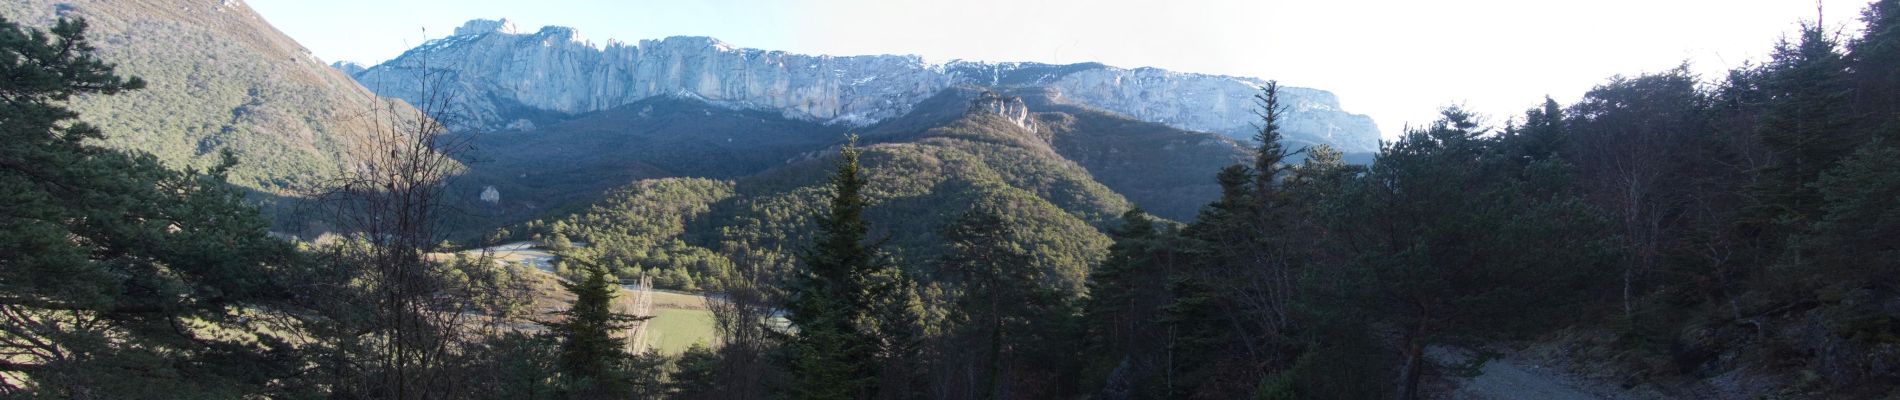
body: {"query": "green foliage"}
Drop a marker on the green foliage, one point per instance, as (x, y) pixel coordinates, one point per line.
(834, 351)
(220, 81)
(1006, 309)
(592, 361)
(697, 374)
(640, 229)
(1222, 243)
(1285, 274)
(1542, 135)
(695, 233)
(120, 274)
(1804, 126)
(1230, 306)
(516, 366)
(1858, 236)
(1342, 364)
(1269, 158)
(611, 150)
(646, 376)
(1440, 224)
(1870, 59)
(1126, 294)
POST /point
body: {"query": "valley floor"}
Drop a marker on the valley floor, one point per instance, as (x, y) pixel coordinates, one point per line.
(679, 319)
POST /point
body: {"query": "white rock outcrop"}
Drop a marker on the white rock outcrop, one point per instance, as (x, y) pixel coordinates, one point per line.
(1010, 108)
(490, 195)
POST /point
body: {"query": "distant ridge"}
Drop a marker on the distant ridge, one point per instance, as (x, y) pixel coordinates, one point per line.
(516, 78)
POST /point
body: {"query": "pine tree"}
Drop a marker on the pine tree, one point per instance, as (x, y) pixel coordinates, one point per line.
(1541, 137)
(897, 320)
(1005, 302)
(592, 361)
(1269, 160)
(834, 353)
(1113, 312)
(1231, 307)
(1318, 181)
(697, 374)
(1858, 238)
(1806, 127)
(1126, 295)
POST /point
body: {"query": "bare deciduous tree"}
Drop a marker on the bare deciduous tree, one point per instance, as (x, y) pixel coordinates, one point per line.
(423, 310)
(743, 317)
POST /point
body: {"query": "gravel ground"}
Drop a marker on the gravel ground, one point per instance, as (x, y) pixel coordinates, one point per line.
(1507, 378)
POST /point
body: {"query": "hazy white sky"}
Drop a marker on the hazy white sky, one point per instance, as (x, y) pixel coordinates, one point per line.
(1396, 60)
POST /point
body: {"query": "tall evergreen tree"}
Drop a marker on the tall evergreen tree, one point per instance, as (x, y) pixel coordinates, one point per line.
(592, 361)
(1270, 158)
(896, 320)
(1542, 135)
(697, 374)
(833, 353)
(1221, 242)
(1858, 238)
(1007, 308)
(1126, 296)
(1806, 126)
(1232, 306)
(1316, 182)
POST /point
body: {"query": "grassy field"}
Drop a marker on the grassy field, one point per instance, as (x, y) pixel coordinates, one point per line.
(679, 321)
(676, 300)
(673, 330)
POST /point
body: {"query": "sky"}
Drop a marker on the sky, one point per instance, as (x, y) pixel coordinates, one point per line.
(1398, 61)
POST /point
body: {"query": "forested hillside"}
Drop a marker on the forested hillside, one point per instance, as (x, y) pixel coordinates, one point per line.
(221, 78)
(923, 181)
(667, 137)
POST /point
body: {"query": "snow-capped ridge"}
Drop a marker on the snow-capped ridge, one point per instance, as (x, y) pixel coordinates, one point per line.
(350, 68)
(693, 42)
(481, 26)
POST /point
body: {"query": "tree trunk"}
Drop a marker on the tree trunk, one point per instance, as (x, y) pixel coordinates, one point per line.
(1409, 374)
(992, 385)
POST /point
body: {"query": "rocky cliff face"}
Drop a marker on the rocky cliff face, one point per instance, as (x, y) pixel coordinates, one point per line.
(1217, 104)
(501, 76)
(1011, 108)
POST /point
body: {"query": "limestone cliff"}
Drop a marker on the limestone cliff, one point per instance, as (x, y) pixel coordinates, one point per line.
(499, 76)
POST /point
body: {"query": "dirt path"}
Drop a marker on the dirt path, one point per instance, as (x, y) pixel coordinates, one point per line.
(1503, 378)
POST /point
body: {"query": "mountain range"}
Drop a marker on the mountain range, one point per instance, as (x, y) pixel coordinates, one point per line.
(511, 79)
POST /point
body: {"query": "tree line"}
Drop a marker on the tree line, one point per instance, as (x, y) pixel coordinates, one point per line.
(1700, 227)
